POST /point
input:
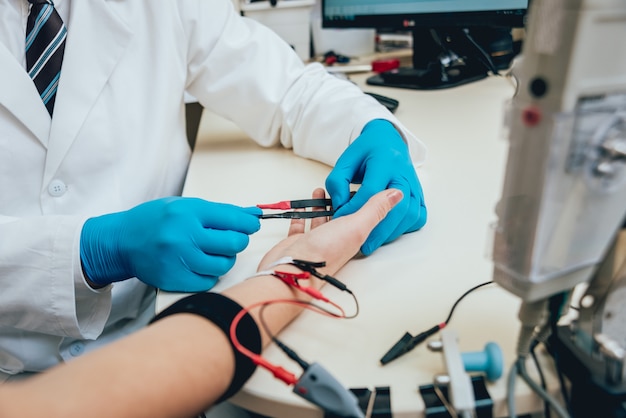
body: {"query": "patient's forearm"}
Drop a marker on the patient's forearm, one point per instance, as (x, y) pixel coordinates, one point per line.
(177, 366)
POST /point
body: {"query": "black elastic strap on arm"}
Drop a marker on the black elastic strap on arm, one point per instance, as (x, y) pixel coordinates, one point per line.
(221, 311)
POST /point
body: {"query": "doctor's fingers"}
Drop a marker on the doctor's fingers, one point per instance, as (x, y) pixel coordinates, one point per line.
(227, 217)
(414, 218)
(399, 220)
(207, 265)
(370, 186)
(338, 182)
(218, 242)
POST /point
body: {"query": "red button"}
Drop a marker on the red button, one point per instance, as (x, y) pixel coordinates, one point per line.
(531, 116)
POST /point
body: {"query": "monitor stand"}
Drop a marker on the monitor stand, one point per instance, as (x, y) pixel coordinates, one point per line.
(432, 78)
(442, 58)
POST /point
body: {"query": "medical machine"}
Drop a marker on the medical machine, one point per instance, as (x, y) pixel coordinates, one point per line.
(563, 202)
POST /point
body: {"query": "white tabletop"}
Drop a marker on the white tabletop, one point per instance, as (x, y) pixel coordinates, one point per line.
(409, 285)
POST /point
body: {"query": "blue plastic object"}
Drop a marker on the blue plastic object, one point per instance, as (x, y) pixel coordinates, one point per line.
(489, 361)
(175, 243)
(377, 160)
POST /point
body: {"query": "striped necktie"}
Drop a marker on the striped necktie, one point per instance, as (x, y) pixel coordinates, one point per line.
(45, 43)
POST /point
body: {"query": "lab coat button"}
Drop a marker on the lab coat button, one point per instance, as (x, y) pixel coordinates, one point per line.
(57, 188)
(77, 348)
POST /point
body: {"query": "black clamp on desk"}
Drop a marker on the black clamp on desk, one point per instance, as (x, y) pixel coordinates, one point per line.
(374, 404)
(435, 407)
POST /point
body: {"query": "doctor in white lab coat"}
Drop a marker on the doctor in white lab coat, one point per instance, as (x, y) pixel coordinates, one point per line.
(117, 140)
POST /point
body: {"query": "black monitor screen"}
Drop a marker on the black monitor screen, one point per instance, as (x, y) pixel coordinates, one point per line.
(454, 41)
(406, 14)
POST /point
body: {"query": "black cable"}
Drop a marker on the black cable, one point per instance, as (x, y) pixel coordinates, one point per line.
(554, 404)
(356, 304)
(408, 342)
(488, 62)
(286, 349)
(291, 354)
(302, 303)
(542, 378)
(562, 384)
(463, 296)
(555, 307)
(311, 267)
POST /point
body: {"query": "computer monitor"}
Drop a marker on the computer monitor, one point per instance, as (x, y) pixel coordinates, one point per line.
(454, 41)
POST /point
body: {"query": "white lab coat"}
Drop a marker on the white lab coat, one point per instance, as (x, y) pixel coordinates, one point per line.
(118, 139)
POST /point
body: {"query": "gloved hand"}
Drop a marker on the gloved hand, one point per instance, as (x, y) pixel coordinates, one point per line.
(175, 243)
(378, 159)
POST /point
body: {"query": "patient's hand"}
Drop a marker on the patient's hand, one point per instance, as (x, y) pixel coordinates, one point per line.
(335, 241)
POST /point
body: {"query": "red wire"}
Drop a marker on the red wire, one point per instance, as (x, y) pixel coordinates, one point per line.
(284, 205)
(277, 371)
(292, 280)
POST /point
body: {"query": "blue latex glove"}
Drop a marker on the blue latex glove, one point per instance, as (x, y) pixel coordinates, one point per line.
(378, 159)
(175, 243)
